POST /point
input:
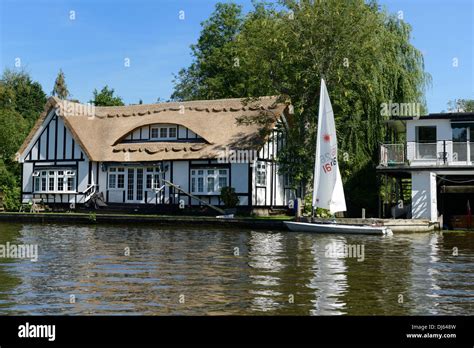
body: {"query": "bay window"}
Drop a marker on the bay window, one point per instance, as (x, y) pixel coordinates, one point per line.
(54, 181)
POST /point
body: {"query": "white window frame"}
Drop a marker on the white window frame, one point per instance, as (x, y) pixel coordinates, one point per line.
(116, 172)
(205, 176)
(152, 173)
(47, 174)
(261, 174)
(164, 128)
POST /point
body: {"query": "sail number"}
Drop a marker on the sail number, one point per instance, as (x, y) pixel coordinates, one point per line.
(327, 167)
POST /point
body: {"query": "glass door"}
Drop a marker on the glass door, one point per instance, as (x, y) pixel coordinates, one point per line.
(460, 143)
(135, 180)
(426, 139)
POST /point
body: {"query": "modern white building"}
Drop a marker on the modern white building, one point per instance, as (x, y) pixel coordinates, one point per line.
(131, 154)
(430, 174)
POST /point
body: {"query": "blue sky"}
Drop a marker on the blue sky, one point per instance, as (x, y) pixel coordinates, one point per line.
(92, 48)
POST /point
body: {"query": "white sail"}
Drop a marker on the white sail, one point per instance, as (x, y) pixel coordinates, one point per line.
(328, 192)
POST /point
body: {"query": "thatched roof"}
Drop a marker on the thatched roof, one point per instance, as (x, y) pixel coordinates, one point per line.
(101, 131)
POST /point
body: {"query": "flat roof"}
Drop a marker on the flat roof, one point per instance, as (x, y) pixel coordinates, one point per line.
(454, 116)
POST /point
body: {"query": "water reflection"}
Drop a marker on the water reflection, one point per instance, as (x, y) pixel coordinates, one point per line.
(191, 271)
(265, 253)
(330, 277)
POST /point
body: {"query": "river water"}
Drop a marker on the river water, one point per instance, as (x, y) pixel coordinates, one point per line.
(169, 270)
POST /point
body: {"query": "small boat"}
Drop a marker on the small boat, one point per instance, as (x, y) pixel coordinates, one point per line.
(336, 228)
(328, 192)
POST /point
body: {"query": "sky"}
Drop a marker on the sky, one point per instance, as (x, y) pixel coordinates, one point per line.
(135, 46)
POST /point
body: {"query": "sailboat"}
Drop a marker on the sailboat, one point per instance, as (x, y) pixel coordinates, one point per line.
(328, 192)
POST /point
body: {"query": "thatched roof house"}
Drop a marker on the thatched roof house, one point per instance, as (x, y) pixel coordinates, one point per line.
(144, 135)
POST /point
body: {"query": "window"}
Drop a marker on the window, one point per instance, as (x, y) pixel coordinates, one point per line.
(139, 184)
(426, 142)
(200, 184)
(208, 181)
(163, 133)
(210, 184)
(112, 181)
(60, 180)
(116, 178)
(153, 178)
(463, 136)
(172, 132)
(149, 181)
(70, 183)
(222, 179)
(54, 181)
(261, 174)
(130, 184)
(426, 134)
(120, 181)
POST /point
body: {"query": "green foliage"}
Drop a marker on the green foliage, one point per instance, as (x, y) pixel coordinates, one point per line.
(106, 98)
(213, 74)
(19, 93)
(60, 88)
(229, 197)
(92, 216)
(11, 197)
(13, 131)
(461, 105)
(8, 174)
(364, 54)
(21, 103)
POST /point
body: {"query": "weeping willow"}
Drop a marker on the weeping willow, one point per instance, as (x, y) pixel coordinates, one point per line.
(363, 52)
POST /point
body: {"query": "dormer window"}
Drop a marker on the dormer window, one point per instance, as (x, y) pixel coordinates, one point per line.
(163, 133)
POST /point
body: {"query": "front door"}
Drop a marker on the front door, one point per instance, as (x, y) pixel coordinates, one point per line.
(134, 193)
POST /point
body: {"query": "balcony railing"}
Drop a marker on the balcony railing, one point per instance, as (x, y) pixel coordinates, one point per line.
(443, 152)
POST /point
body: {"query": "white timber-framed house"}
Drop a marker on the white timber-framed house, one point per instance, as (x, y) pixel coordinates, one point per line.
(128, 154)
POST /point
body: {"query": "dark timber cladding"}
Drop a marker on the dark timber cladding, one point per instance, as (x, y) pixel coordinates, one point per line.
(267, 156)
(49, 154)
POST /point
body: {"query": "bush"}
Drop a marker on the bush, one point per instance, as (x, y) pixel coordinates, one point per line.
(229, 197)
(11, 198)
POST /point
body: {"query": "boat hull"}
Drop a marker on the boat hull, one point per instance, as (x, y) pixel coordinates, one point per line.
(336, 228)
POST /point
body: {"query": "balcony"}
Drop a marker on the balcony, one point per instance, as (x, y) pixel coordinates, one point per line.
(440, 153)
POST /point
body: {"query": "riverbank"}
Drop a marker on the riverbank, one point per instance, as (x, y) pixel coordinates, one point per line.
(275, 223)
(266, 223)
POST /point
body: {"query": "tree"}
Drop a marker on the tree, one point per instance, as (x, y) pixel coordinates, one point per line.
(60, 88)
(14, 129)
(364, 54)
(214, 73)
(21, 103)
(106, 98)
(18, 92)
(461, 105)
